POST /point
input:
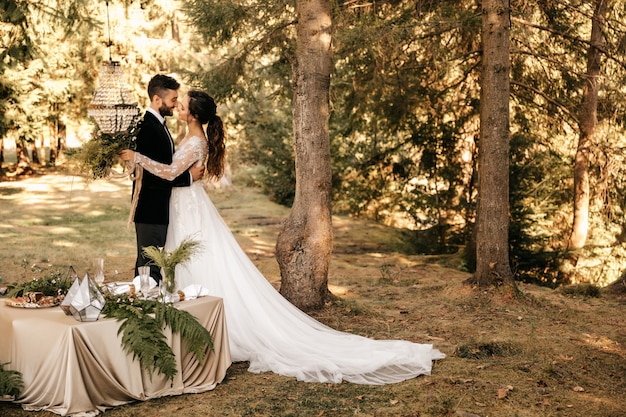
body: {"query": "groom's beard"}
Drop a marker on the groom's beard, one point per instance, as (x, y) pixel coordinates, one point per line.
(166, 111)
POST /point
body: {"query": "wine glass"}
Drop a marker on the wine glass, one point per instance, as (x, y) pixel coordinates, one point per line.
(99, 277)
(144, 281)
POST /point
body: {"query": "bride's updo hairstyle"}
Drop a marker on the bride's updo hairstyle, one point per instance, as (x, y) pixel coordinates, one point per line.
(203, 107)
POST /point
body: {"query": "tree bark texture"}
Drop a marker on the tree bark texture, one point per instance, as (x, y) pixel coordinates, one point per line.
(588, 122)
(304, 245)
(492, 217)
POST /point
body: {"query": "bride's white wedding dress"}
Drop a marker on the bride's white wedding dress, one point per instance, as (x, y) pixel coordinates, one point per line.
(263, 327)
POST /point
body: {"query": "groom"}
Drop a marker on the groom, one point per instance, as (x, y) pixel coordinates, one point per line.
(155, 141)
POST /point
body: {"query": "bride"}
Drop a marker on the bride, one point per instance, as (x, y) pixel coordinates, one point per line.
(263, 327)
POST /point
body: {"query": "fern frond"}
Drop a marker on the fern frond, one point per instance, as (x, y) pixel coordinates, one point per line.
(11, 382)
(142, 323)
(169, 260)
(184, 251)
(144, 339)
(198, 339)
(157, 255)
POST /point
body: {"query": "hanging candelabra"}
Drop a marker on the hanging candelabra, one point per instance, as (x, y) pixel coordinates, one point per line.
(113, 106)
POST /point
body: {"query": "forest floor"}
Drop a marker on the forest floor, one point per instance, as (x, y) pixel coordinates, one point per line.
(545, 353)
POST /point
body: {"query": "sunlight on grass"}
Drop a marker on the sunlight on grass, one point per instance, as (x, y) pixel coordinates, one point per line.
(84, 218)
(109, 185)
(59, 230)
(260, 245)
(604, 344)
(338, 290)
(64, 244)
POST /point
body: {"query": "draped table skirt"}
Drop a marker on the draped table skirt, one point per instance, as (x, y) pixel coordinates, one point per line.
(78, 369)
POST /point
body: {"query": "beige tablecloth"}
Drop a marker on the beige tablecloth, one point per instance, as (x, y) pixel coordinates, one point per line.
(80, 369)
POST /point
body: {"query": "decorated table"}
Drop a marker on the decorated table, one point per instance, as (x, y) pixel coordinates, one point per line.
(76, 368)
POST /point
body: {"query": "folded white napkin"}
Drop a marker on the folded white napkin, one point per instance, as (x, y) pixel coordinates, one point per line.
(194, 291)
(117, 288)
(137, 283)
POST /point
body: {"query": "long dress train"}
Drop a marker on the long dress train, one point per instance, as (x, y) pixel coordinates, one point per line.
(263, 327)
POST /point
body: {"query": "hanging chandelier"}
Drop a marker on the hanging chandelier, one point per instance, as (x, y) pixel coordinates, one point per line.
(113, 106)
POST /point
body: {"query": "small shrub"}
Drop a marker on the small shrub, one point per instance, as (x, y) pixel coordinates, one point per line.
(11, 382)
(584, 290)
(484, 350)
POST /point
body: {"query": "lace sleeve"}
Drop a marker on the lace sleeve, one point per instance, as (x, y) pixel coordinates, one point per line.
(183, 158)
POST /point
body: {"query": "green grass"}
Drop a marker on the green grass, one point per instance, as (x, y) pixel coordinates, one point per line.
(543, 344)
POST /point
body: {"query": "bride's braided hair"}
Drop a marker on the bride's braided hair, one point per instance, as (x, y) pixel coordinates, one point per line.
(203, 107)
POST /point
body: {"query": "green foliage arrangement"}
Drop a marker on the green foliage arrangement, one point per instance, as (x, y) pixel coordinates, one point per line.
(142, 335)
(53, 284)
(141, 328)
(99, 155)
(11, 382)
(168, 260)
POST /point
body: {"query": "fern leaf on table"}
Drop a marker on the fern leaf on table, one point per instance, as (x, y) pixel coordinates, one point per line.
(142, 324)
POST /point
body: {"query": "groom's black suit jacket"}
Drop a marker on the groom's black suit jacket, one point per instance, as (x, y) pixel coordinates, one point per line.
(154, 196)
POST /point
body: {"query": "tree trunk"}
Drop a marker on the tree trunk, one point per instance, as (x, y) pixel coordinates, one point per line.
(492, 216)
(35, 154)
(588, 121)
(61, 140)
(54, 134)
(304, 245)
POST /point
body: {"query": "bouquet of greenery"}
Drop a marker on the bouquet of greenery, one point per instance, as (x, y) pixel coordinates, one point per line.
(99, 154)
(53, 284)
(167, 261)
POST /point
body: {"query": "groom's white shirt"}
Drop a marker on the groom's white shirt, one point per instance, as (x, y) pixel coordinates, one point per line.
(162, 121)
(157, 114)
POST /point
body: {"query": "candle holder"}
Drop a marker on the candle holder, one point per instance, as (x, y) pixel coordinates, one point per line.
(83, 301)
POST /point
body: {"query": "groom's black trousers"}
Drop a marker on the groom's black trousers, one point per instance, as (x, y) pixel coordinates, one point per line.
(149, 235)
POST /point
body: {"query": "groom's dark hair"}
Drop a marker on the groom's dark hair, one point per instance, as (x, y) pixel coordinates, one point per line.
(159, 83)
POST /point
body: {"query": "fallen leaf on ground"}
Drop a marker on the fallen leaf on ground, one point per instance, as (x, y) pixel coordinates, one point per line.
(503, 392)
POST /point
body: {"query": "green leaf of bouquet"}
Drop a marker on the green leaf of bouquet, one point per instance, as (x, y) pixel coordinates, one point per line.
(53, 284)
(98, 155)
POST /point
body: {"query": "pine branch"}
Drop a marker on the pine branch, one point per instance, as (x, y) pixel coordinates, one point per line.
(600, 48)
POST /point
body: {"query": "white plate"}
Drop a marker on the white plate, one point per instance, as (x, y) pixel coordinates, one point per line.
(22, 304)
